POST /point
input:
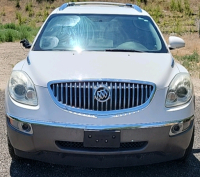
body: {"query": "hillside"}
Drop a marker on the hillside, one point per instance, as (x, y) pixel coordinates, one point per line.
(21, 19)
(172, 16)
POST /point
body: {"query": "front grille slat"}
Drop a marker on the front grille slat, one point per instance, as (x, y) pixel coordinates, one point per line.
(66, 95)
(93, 96)
(115, 96)
(81, 94)
(120, 95)
(68, 145)
(142, 94)
(57, 91)
(70, 94)
(133, 96)
(111, 89)
(124, 95)
(149, 90)
(129, 96)
(75, 96)
(106, 101)
(97, 101)
(137, 94)
(54, 89)
(88, 95)
(84, 94)
(102, 103)
(61, 93)
(146, 93)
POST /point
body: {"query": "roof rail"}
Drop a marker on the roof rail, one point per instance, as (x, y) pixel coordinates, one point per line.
(62, 7)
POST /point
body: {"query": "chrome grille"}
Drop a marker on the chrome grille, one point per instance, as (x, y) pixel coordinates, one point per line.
(80, 94)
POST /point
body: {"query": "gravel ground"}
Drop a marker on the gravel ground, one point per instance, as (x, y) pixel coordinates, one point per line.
(10, 54)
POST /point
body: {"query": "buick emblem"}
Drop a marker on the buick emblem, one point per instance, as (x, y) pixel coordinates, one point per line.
(102, 93)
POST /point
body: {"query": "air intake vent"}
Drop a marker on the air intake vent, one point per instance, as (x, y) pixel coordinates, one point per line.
(79, 146)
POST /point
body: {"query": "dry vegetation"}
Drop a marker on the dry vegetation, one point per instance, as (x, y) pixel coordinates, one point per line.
(172, 16)
(22, 19)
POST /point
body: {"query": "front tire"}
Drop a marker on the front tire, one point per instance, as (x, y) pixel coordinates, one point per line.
(188, 151)
(12, 152)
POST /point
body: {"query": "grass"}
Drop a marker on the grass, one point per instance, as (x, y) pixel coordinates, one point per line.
(172, 16)
(191, 62)
(3, 13)
(11, 32)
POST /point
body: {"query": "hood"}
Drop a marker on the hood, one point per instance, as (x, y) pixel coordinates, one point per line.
(46, 66)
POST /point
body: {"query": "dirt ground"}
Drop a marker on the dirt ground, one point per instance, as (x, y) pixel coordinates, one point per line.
(11, 53)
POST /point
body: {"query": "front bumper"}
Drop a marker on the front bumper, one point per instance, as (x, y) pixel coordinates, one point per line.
(42, 145)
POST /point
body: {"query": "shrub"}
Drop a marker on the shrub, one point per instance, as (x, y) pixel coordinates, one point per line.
(194, 57)
(21, 20)
(156, 13)
(39, 1)
(3, 13)
(11, 35)
(10, 26)
(173, 5)
(17, 4)
(177, 27)
(45, 15)
(199, 12)
(39, 14)
(187, 10)
(30, 13)
(179, 6)
(11, 32)
(28, 7)
(2, 36)
(190, 61)
(144, 1)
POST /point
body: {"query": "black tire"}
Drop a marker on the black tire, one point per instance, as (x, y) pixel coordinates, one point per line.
(12, 152)
(188, 150)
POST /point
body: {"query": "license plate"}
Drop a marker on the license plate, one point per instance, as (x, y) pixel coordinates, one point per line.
(102, 139)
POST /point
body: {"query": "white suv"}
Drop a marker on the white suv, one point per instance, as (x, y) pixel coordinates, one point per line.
(100, 88)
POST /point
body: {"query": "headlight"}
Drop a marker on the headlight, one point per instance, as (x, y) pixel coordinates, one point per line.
(22, 89)
(180, 90)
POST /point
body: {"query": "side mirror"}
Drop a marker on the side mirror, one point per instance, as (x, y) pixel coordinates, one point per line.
(175, 42)
(25, 43)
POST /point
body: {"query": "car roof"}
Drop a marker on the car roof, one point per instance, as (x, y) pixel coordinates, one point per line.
(100, 8)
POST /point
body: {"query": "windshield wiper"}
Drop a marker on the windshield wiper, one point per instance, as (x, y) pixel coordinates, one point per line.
(123, 50)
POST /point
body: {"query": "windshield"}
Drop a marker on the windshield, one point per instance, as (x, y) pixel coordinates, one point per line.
(100, 33)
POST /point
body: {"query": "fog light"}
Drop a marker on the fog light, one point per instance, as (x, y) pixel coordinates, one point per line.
(21, 126)
(181, 126)
(25, 127)
(177, 128)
